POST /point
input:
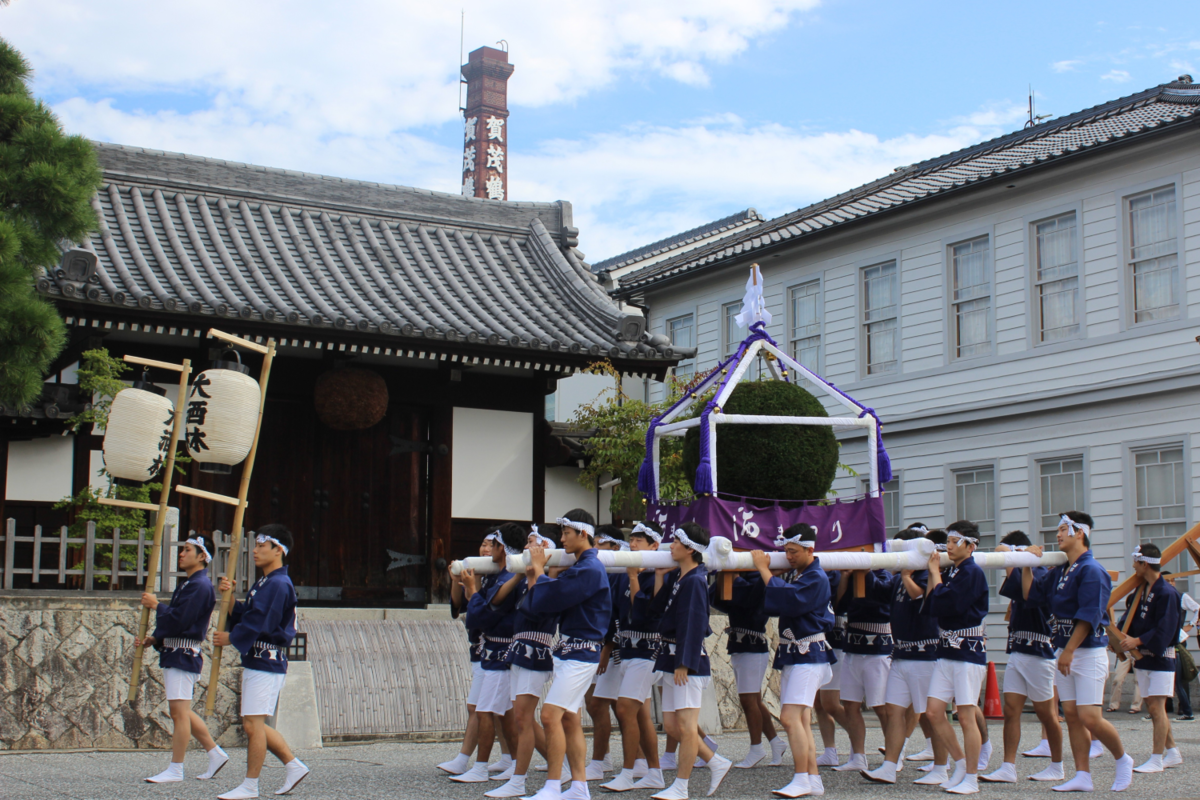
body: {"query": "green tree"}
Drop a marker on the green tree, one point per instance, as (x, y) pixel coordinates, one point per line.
(47, 179)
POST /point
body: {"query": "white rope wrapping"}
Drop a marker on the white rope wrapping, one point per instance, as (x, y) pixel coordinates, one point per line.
(582, 527)
(199, 544)
(137, 422)
(261, 539)
(1072, 526)
(648, 532)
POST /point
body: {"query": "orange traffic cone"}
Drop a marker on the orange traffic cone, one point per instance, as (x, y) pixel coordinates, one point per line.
(992, 707)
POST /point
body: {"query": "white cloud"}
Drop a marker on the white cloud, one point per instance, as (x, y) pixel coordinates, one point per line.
(641, 184)
(1116, 76)
(1065, 66)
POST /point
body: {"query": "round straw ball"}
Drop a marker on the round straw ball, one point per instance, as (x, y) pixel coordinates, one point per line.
(351, 399)
(772, 462)
(221, 426)
(137, 422)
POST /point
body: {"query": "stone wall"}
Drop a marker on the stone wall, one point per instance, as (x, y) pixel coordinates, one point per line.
(65, 661)
(724, 685)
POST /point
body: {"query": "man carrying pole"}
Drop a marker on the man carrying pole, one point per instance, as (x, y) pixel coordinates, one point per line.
(1077, 595)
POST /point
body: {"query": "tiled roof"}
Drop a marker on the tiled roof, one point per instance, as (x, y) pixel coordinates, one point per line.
(1170, 105)
(203, 238)
(679, 239)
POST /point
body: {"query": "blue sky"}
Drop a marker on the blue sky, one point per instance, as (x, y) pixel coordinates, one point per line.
(649, 117)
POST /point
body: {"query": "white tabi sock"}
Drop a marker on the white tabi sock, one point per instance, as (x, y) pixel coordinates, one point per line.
(924, 755)
(247, 790)
(756, 754)
(1153, 764)
(829, 758)
(968, 785)
(1041, 751)
(1096, 750)
(1172, 757)
(960, 770)
(504, 763)
(885, 774)
(797, 788)
(1082, 782)
(608, 765)
(676, 791)
(985, 755)
(936, 776)
(712, 743)
(1124, 773)
(457, 765)
(217, 758)
(514, 788)
(578, 791)
(174, 773)
(778, 748)
(653, 779)
(640, 768)
(816, 786)
(1006, 774)
(551, 791)
(594, 770)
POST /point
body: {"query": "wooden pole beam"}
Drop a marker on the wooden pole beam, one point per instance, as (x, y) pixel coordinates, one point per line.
(238, 516)
(217, 498)
(112, 501)
(185, 370)
(1174, 549)
(150, 362)
(238, 341)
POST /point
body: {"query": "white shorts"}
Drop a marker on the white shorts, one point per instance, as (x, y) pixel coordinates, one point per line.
(1030, 676)
(1085, 685)
(526, 681)
(638, 678)
(495, 696)
(908, 683)
(571, 682)
(608, 685)
(798, 683)
(180, 685)
(476, 683)
(957, 682)
(864, 677)
(1155, 683)
(834, 684)
(749, 669)
(260, 692)
(677, 698)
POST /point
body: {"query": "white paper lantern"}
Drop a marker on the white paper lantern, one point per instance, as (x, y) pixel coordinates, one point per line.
(138, 434)
(221, 416)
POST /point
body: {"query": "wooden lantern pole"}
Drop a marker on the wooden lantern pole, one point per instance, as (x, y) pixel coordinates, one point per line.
(160, 521)
(240, 502)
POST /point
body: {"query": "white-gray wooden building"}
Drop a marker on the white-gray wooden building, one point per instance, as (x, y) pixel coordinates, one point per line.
(1022, 314)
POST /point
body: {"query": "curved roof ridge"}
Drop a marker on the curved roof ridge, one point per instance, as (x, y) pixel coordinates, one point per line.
(614, 262)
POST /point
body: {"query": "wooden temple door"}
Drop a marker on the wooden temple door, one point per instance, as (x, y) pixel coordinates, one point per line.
(355, 500)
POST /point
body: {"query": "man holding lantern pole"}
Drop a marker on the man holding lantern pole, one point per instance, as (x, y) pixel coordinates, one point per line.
(261, 627)
(179, 630)
(1077, 595)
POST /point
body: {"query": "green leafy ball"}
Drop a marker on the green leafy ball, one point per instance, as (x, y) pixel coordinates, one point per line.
(773, 462)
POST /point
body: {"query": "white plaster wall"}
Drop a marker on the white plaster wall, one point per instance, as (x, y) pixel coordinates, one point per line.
(563, 493)
(40, 470)
(493, 464)
(578, 390)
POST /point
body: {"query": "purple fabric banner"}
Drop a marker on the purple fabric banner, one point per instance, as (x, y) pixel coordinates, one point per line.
(750, 527)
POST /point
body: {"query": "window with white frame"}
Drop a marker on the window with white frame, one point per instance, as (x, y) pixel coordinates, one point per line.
(1057, 277)
(1161, 515)
(975, 500)
(1153, 255)
(881, 305)
(806, 325)
(970, 277)
(1061, 489)
(682, 331)
(890, 493)
(731, 332)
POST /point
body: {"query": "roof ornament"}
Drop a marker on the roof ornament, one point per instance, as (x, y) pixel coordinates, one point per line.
(754, 305)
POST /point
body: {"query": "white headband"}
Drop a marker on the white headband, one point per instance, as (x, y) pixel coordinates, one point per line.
(1137, 556)
(683, 539)
(1019, 547)
(495, 536)
(781, 541)
(920, 528)
(604, 538)
(582, 527)
(941, 548)
(1072, 525)
(262, 539)
(957, 535)
(198, 542)
(648, 532)
(544, 541)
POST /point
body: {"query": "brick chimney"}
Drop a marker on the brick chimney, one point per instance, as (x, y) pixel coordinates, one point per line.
(485, 134)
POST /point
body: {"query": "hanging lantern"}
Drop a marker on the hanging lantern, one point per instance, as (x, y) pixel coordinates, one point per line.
(221, 416)
(138, 433)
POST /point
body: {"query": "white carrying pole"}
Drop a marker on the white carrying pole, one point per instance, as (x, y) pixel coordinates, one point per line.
(873, 455)
(722, 557)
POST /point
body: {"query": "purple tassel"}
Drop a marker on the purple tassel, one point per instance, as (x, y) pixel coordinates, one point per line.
(645, 483)
(704, 484)
(882, 460)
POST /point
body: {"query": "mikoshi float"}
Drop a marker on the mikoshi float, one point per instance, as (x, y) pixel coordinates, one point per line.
(850, 532)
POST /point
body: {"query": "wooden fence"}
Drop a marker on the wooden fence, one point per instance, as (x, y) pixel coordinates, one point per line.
(46, 561)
